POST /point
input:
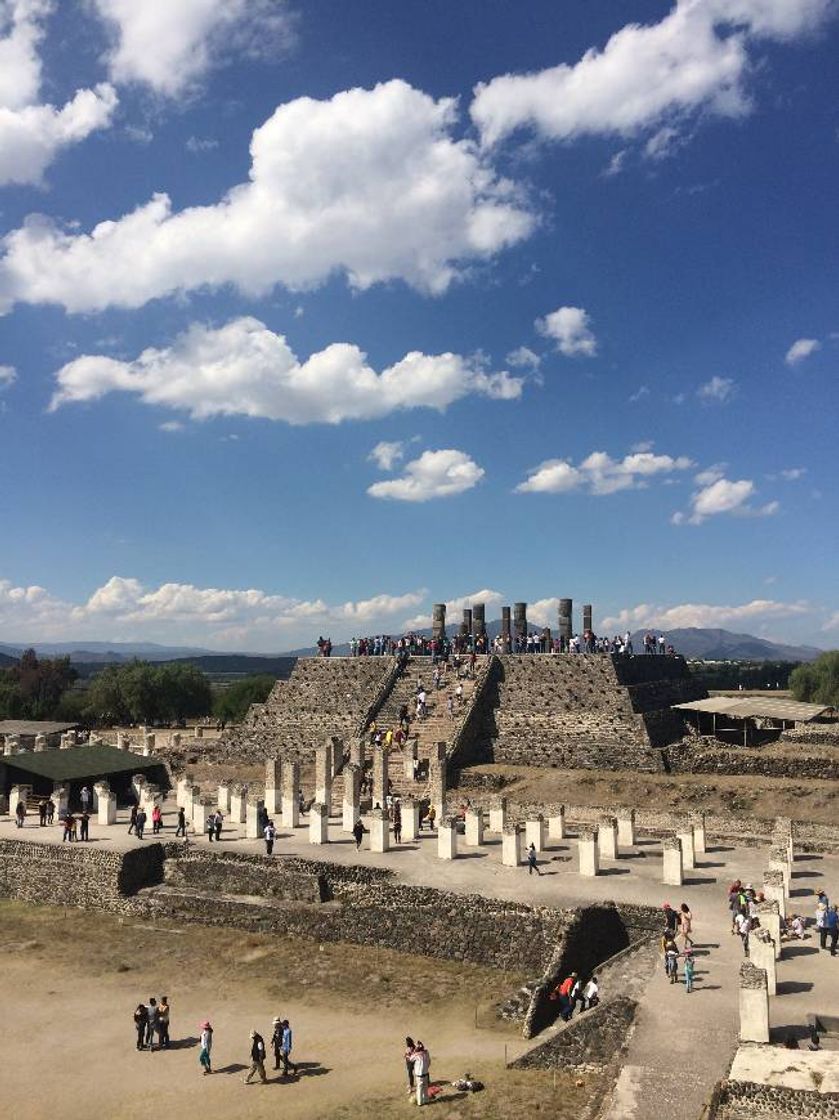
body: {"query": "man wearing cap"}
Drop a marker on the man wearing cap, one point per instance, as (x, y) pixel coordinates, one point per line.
(257, 1058)
(277, 1040)
(670, 917)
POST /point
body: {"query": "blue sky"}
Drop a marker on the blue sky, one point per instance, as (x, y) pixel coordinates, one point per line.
(410, 303)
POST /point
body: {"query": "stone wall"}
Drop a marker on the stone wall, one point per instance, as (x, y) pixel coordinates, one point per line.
(706, 755)
(593, 1038)
(747, 1100)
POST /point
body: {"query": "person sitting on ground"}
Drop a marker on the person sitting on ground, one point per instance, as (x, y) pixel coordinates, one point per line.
(797, 927)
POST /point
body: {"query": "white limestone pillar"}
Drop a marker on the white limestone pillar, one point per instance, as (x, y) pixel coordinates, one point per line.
(68, 740)
(783, 828)
(447, 838)
(357, 752)
(238, 803)
(556, 824)
(253, 814)
(61, 799)
(685, 834)
(18, 793)
(587, 850)
(201, 809)
(697, 820)
(773, 888)
(498, 814)
(381, 777)
(607, 837)
(192, 792)
(291, 794)
(437, 790)
(410, 819)
(779, 861)
(223, 796)
(536, 833)
(123, 740)
(180, 790)
(323, 774)
(672, 861)
(409, 754)
(351, 805)
(199, 732)
(319, 823)
(175, 739)
(106, 804)
(40, 743)
(754, 1004)
(148, 743)
(379, 831)
(762, 955)
(511, 845)
(474, 836)
(626, 828)
(770, 920)
(273, 799)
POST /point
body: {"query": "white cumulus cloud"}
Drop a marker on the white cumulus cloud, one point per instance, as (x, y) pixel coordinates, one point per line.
(600, 474)
(524, 358)
(371, 184)
(435, 474)
(32, 133)
(245, 369)
(8, 376)
(718, 494)
(701, 615)
(169, 46)
(695, 58)
(802, 348)
(387, 453)
(718, 390)
(570, 329)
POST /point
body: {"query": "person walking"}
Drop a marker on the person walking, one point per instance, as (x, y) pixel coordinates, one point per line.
(532, 865)
(269, 832)
(84, 823)
(219, 823)
(285, 1049)
(141, 1021)
(69, 828)
(156, 820)
(277, 1039)
(689, 971)
(409, 1063)
(50, 811)
(84, 797)
(20, 814)
(163, 1022)
(358, 832)
(210, 827)
(591, 994)
(206, 1047)
(831, 922)
(141, 823)
(422, 1061)
(686, 925)
(132, 820)
(257, 1058)
(181, 829)
(821, 922)
(397, 825)
(671, 958)
(42, 812)
(153, 1022)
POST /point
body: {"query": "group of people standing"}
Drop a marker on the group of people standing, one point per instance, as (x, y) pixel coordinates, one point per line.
(678, 925)
(151, 1021)
(572, 991)
(417, 1066)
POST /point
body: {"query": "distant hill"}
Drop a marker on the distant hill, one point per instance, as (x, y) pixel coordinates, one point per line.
(723, 645)
(105, 652)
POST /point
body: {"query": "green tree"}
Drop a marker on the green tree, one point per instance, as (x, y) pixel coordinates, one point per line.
(33, 688)
(140, 692)
(817, 682)
(183, 692)
(232, 704)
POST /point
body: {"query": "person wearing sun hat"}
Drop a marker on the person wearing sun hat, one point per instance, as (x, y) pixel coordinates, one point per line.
(206, 1046)
(277, 1039)
(257, 1058)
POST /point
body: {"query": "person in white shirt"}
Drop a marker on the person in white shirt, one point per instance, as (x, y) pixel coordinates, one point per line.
(591, 995)
(422, 1062)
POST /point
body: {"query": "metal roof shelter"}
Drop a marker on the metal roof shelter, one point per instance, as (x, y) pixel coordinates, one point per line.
(77, 765)
(32, 727)
(757, 707)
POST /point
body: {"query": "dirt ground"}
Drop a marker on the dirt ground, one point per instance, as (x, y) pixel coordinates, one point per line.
(71, 980)
(805, 800)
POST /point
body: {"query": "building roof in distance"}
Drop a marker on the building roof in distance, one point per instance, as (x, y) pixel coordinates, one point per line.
(33, 727)
(80, 762)
(757, 707)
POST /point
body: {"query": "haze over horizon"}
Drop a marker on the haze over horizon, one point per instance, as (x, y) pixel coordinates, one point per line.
(314, 315)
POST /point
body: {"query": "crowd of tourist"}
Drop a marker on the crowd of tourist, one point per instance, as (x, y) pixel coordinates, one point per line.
(541, 641)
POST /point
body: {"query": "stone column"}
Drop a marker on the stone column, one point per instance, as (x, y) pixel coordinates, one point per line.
(123, 740)
(778, 861)
(672, 863)
(783, 827)
(323, 774)
(535, 833)
(754, 1004)
(106, 811)
(587, 617)
(520, 620)
(437, 790)
(556, 824)
(479, 623)
(773, 888)
(497, 814)
(40, 743)
(762, 955)
(438, 621)
(565, 623)
(447, 838)
(381, 763)
(175, 739)
(138, 781)
(67, 741)
(506, 643)
(199, 732)
(607, 837)
(466, 627)
(223, 796)
(319, 823)
(698, 822)
(337, 753)
(291, 789)
(148, 743)
(351, 806)
(191, 794)
(409, 753)
(272, 786)
(18, 793)
(151, 796)
(626, 828)
(770, 920)
(180, 790)
(357, 753)
(410, 819)
(511, 845)
(201, 809)
(474, 835)
(685, 833)
(254, 808)
(379, 831)
(587, 850)
(238, 803)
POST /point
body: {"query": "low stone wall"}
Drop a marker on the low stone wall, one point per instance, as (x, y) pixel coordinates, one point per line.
(709, 756)
(592, 1038)
(225, 874)
(746, 1100)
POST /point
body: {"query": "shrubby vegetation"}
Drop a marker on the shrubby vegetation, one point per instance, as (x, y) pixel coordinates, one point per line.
(232, 704)
(749, 674)
(818, 681)
(142, 692)
(33, 688)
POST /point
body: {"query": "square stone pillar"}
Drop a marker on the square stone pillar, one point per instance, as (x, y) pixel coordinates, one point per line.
(272, 787)
(199, 732)
(357, 752)
(191, 795)
(319, 823)
(238, 803)
(697, 821)
(223, 796)
(61, 798)
(410, 755)
(410, 819)
(536, 833)
(474, 828)
(138, 781)
(380, 776)
(770, 920)
(607, 837)
(18, 793)
(437, 788)
(323, 775)
(685, 834)
(351, 806)
(783, 828)
(123, 740)
(379, 831)
(201, 809)
(175, 739)
(626, 828)
(774, 888)
(556, 824)
(254, 808)
(672, 861)
(180, 790)
(511, 845)
(40, 743)
(337, 756)
(68, 740)
(779, 861)
(447, 838)
(498, 814)
(151, 796)
(587, 850)
(762, 955)
(106, 809)
(438, 752)
(291, 790)
(754, 1004)
(148, 743)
